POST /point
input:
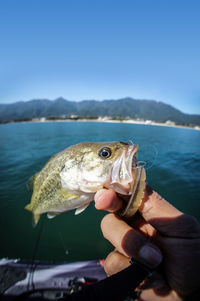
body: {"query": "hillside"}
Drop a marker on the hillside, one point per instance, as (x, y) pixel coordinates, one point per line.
(126, 107)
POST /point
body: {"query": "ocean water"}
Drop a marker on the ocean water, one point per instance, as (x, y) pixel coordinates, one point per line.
(171, 155)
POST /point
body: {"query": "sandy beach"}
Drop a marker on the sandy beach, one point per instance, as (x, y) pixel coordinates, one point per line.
(127, 121)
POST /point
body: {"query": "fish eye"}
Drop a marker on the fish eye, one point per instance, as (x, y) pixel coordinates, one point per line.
(105, 152)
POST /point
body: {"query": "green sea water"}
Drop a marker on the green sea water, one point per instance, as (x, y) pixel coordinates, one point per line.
(172, 157)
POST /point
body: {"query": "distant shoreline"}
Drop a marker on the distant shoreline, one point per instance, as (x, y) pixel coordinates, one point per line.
(129, 121)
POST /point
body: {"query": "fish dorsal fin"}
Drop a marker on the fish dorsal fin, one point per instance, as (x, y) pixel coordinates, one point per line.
(81, 209)
(31, 181)
(52, 214)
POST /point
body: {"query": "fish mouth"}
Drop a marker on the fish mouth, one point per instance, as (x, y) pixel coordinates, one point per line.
(122, 174)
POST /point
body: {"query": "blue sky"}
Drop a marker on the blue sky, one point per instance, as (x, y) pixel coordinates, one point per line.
(109, 49)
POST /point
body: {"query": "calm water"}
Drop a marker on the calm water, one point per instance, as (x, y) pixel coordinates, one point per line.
(173, 169)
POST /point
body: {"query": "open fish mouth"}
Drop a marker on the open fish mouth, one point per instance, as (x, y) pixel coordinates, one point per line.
(122, 175)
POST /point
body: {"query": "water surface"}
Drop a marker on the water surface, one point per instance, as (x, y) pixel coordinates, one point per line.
(172, 158)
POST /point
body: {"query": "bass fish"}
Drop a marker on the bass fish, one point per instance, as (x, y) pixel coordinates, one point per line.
(70, 179)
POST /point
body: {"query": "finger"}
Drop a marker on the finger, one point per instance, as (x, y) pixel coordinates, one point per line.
(166, 218)
(106, 199)
(154, 206)
(129, 242)
(159, 294)
(139, 223)
(115, 262)
(155, 281)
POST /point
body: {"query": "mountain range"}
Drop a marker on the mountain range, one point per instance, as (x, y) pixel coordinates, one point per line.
(121, 108)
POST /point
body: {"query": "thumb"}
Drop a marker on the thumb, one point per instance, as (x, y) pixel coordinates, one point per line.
(167, 219)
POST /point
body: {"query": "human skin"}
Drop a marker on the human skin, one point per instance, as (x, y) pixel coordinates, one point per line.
(160, 236)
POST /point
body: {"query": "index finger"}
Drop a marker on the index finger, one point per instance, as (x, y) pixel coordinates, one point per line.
(153, 205)
(155, 210)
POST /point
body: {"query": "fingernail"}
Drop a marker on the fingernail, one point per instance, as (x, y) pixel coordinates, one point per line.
(150, 255)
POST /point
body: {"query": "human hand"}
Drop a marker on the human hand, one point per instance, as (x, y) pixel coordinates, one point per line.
(160, 236)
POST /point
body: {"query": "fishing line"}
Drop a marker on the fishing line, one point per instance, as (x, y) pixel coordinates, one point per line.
(130, 142)
(63, 243)
(141, 164)
(145, 163)
(155, 157)
(30, 284)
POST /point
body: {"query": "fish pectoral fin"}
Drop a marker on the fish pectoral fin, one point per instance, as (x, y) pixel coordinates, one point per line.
(52, 214)
(65, 195)
(81, 209)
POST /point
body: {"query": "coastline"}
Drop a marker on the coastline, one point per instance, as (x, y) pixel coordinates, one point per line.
(126, 121)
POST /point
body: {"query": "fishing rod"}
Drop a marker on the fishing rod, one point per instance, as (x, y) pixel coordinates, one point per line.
(116, 287)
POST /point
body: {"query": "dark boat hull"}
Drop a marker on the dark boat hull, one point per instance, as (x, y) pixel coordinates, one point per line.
(20, 277)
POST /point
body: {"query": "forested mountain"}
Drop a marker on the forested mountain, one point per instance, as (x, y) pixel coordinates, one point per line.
(126, 107)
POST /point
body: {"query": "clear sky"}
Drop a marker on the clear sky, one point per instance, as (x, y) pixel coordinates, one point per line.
(101, 49)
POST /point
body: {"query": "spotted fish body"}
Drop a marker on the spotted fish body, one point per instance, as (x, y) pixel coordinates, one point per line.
(70, 178)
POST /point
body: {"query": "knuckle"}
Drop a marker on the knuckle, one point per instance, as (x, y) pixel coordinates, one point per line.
(105, 223)
(111, 263)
